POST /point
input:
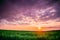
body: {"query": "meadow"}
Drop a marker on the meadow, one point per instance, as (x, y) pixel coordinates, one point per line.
(29, 35)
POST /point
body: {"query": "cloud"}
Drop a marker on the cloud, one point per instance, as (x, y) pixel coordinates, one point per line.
(33, 12)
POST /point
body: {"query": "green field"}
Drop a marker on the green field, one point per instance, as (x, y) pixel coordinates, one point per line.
(29, 35)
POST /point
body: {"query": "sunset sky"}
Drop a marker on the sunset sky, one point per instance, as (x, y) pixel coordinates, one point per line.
(30, 15)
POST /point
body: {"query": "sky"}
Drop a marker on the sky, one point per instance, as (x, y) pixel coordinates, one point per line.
(29, 14)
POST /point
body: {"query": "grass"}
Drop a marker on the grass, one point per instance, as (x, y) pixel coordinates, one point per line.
(29, 35)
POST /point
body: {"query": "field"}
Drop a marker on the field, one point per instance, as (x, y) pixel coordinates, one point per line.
(29, 35)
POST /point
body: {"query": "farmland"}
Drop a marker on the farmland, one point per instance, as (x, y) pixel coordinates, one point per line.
(29, 35)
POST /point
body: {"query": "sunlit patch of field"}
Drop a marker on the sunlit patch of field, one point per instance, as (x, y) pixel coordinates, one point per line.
(29, 35)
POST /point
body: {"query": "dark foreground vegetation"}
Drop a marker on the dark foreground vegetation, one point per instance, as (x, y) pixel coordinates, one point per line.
(29, 35)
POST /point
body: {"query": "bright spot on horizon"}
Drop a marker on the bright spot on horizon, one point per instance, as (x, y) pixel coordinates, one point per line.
(39, 28)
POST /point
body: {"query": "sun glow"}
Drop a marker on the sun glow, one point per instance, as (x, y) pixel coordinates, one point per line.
(39, 28)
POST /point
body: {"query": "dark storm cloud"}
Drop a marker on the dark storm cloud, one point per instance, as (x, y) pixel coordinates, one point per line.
(56, 3)
(58, 9)
(9, 8)
(6, 6)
